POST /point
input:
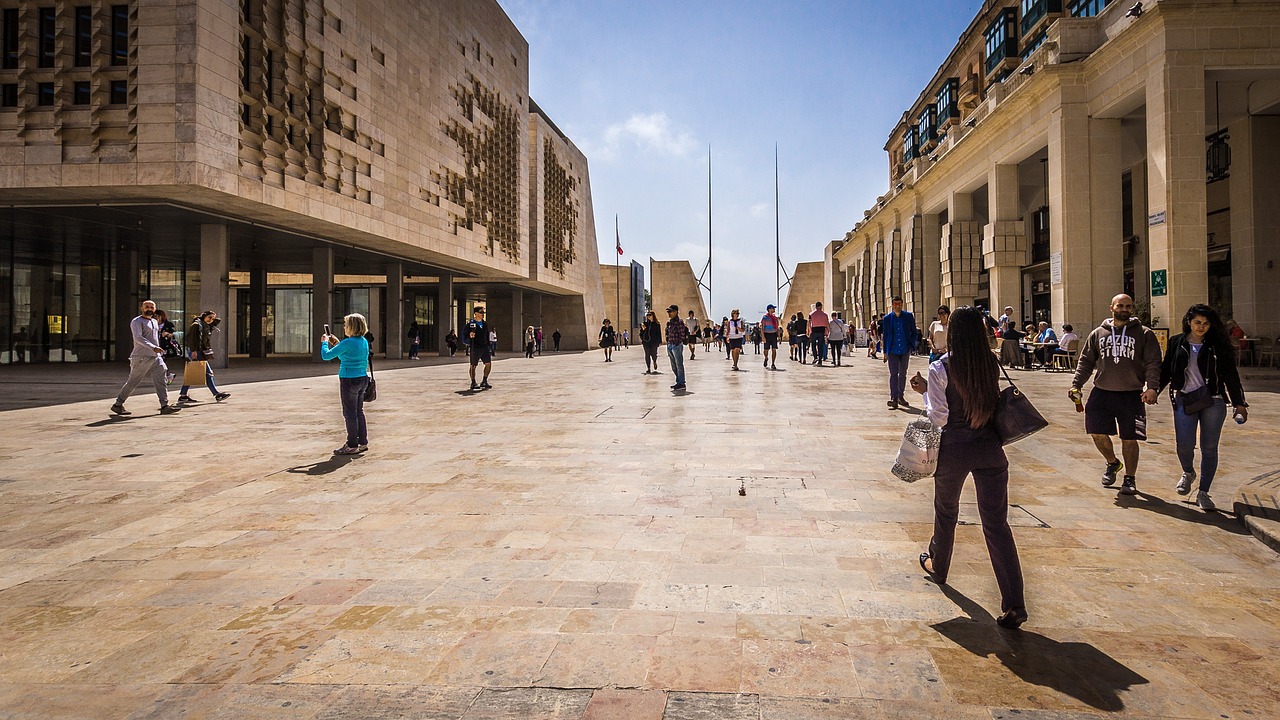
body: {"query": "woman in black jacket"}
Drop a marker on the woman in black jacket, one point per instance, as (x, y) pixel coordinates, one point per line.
(651, 339)
(1200, 369)
(200, 348)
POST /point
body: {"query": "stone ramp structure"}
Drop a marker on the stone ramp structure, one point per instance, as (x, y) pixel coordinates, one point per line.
(673, 282)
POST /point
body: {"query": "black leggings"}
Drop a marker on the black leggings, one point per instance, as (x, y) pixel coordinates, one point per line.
(650, 356)
(835, 346)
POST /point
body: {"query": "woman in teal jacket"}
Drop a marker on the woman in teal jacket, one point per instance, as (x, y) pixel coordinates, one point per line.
(353, 379)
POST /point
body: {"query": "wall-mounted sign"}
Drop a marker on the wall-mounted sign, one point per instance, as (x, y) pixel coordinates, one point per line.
(1155, 219)
(1159, 283)
(1055, 268)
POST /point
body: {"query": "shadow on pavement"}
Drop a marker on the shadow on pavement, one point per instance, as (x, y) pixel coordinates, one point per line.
(324, 467)
(1182, 511)
(1077, 669)
(113, 420)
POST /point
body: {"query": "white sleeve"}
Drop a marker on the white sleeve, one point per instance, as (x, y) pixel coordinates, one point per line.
(935, 400)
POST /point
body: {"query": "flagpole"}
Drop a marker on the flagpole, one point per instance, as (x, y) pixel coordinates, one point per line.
(777, 242)
(709, 310)
(617, 267)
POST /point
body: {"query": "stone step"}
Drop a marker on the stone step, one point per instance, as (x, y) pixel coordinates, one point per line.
(1257, 504)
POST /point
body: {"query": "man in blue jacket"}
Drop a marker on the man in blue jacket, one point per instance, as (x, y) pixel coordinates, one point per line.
(900, 339)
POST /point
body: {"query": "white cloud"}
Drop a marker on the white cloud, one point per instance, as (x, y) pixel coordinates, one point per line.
(651, 133)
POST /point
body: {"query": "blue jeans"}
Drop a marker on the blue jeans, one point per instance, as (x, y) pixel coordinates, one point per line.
(352, 391)
(208, 382)
(675, 353)
(897, 374)
(1210, 422)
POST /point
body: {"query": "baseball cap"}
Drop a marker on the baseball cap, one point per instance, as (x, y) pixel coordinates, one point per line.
(673, 308)
(771, 307)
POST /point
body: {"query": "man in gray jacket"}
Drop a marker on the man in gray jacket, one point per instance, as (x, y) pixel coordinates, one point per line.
(1126, 357)
(145, 360)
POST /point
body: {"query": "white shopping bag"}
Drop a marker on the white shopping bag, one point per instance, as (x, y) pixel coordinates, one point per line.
(918, 455)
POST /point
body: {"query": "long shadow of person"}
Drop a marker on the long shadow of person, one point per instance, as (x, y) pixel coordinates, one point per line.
(324, 467)
(1077, 669)
(1180, 511)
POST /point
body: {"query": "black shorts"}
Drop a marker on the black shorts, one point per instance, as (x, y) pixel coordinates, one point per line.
(1105, 410)
(480, 354)
(736, 343)
(771, 341)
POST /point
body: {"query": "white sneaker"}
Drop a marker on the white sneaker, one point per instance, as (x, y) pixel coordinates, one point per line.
(1204, 501)
(1184, 483)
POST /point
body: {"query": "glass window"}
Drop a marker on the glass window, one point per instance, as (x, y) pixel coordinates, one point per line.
(48, 22)
(44, 94)
(119, 34)
(948, 100)
(1034, 45)
(119, 92)
(10, 38)
(84, 35)
(9, 95)
(1086, 8)
(1001, 36)
(927, 125)
(910, 145)
(82, 93)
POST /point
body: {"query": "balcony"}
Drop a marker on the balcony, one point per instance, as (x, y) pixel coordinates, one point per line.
(1037, 14)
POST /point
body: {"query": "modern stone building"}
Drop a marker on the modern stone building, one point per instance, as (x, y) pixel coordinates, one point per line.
(283, 162)
(673, 282)
(1066, 151)
(806, 288)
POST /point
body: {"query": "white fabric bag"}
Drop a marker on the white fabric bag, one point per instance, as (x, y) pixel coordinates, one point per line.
(918, 455)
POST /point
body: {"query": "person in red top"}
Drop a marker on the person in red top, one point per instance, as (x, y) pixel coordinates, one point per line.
(770, 326)
(819, 324)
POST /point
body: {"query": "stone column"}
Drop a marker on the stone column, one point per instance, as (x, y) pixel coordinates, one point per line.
(516, 338)
(878, 301)
(930, 229)
(892, 264)
(396, 328)
(1004, 239)
(215, 260)
(1255, 225)
(1176, 183)
(257, 311)
(961, 243)
(322, 297)
(1106, 215)
(445, 316)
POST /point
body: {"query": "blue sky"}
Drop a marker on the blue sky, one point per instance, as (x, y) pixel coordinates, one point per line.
(644, 87)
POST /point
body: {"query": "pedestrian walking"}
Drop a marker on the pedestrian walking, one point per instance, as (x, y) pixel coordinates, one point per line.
(938, 333)
(451, 340)
(353, 354)
(1200, 372)
(607, 339)
(415, 340)
(493, 341)
(819, 324)
(199, 341)
(836, 336)
(478, 332)
(873, 337)
(756, 337)
(802, 338)
(555, 340)
(900, 336)
(626, 339)
(770, 325)
(694, 334)
(530, 339)
(650, 339)
(677, 337)
(145, 361)
(537, 338)
(737, 335)
(1126, 356)
(962, 395)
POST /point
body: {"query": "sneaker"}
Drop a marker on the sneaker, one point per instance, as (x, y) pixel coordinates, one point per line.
(1204, 501)
(185, 399)
(1109, 475)
(169, 409)
(773, 367)
(1184, 483)
(485, 384)
(222, 396)
(475, 385)
(363, 448)
(893, 404)
(1129, 486)
(766, 363)
(118, 409)
(903, 402)
(346, 450)
(678, 387)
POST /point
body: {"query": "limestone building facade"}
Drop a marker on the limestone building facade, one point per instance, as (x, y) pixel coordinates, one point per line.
(283, 162)
(1066, 151)
(672, 282)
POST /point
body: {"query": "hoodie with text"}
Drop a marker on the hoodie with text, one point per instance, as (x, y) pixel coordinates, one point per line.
(1125, 356)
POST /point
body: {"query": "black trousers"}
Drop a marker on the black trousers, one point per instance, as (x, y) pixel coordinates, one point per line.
(990, 469)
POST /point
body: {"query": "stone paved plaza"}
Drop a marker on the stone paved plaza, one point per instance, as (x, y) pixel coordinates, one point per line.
(574, 544)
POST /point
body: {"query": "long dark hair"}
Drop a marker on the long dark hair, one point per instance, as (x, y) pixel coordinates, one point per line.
(972, 367)
(1217, 337)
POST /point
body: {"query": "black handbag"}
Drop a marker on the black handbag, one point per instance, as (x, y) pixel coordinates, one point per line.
(371, 390)
(1196, 400)
(1016, 417)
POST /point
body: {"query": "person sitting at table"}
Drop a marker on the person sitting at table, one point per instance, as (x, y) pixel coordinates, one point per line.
(1238, 338)
(1064, 343)
(1047, 342)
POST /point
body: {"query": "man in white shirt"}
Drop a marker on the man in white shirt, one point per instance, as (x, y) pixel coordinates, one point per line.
(145, 360)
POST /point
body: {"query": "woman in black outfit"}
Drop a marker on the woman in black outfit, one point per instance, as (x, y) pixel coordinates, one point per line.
(651, 339)
(961, 396)
(1203, 386)
(607, 340)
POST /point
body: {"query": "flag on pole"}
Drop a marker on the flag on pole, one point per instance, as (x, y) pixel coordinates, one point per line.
(617, 237)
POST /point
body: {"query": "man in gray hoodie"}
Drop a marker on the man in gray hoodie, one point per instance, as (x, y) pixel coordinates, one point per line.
(1126, 356)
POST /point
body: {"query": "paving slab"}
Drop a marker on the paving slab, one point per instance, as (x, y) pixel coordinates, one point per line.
(581, 542)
